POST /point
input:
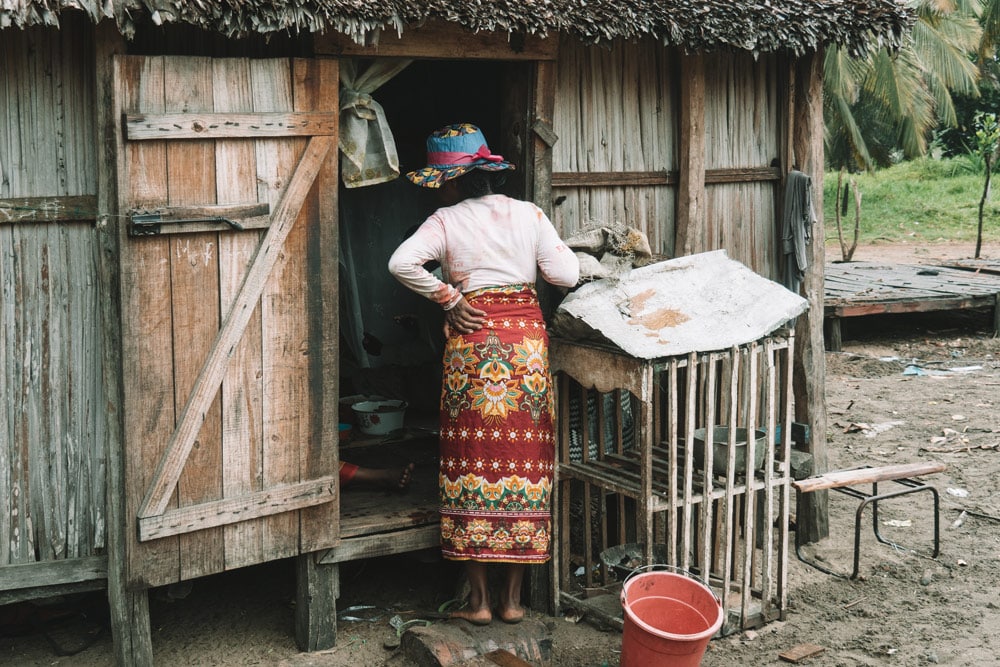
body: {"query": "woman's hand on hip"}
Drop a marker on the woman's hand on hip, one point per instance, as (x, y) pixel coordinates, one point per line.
(463, 318)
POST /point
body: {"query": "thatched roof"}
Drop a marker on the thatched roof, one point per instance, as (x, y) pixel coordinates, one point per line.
(699, 25)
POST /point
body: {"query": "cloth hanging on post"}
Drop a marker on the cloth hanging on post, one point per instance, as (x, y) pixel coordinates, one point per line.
(365, 138)
(796, 228)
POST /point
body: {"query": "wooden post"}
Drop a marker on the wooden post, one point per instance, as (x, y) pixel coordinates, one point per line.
(540, 150)
(316, 592)
(130, 630)
(691, 182)
(996, 316)
(809, 367)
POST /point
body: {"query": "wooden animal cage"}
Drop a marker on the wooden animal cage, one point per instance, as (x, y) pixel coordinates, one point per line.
(633, 487)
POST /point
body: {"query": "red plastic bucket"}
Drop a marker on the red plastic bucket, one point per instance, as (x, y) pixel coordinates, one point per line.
(669, 620)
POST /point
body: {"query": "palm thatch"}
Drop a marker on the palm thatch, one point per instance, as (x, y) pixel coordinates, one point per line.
(758, 26)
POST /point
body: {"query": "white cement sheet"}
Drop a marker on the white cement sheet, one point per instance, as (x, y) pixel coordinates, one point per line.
(696, 303)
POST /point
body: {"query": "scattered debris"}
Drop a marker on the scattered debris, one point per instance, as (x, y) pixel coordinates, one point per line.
(957, 523)
(958, 493)
(346, 615)
(915, 369)
(801, 652)
(898, 523)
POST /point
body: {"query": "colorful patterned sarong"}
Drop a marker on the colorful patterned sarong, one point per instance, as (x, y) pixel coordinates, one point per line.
(497, 444)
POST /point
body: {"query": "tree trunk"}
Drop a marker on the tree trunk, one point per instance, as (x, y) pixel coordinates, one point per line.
(982, 204)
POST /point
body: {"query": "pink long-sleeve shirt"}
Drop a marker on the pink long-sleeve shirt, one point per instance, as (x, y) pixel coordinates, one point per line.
(483, 242)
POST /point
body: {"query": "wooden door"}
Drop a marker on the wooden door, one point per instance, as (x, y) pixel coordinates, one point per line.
(227, 211)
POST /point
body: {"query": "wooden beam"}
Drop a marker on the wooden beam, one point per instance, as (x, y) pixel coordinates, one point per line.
(742, 175)
(842, 478)
(207, 385)
(275, 500)
(917, 306)
(384, 544)
(51, 573)
(15, 595)
(440, 39)
(572, 179)
(129, 607)
(193, 219)
(809, 367)
(585, 179)
(691, 182)
(316, 85)
(316, 591)
(82, 208)
(193, 125)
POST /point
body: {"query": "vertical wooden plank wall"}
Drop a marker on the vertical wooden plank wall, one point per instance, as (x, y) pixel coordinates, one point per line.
(742, 114)
(242, 388)
(194, 278)
(147, 351)
(284, 338)
(316, 86)
(615, 114)
(52, 462)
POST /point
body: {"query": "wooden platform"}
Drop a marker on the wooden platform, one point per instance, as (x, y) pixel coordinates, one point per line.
(989, 266)
(380, 523)
(871, 288)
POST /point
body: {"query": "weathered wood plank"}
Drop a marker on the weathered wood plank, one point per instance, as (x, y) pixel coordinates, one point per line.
(201, 124)
(809, 370)
(903, 305)
(284, 403)
(623, 178)
(54, 590)
(242, 385)
(689, 227)
(53, 572)
(237, 212)
(129, 608)
(78, 208)
(841, 478)
(439, 39)
(146, 342)
(385, 543)
(231, 510)
(207, 384)
(195, 312)
(316, 590)
(316, 86)
(975, 265)
(584, 179)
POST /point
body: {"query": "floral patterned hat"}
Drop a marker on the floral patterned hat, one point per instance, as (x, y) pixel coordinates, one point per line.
(454, 150)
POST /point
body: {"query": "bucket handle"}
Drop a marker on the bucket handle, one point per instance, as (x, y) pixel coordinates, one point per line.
(678, 570)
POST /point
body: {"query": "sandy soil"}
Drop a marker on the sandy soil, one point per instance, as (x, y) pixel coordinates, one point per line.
(906, 609)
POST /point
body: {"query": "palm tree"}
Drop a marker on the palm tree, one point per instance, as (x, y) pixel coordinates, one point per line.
(887, 102)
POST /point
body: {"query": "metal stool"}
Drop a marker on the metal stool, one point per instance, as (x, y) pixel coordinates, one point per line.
(844, 480)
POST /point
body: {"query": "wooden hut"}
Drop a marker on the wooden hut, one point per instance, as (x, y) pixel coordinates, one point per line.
(172, 309)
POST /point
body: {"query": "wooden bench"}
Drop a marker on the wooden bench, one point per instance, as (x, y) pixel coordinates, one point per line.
(843, 481)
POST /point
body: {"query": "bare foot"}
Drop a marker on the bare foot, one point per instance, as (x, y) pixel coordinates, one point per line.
(396, 479)
(510, 614)
(391, 479)
(481, 616)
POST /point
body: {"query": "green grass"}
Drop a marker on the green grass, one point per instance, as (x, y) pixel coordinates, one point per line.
(922, 201)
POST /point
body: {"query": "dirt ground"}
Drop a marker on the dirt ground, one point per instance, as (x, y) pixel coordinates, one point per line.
(904, 389)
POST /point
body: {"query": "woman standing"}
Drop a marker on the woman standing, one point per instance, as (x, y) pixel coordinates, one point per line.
(497, 441)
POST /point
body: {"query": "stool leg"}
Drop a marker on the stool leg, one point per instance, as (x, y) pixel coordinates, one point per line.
(873, 500)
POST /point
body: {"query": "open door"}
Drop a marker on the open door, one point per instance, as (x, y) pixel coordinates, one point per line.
(227, 210)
